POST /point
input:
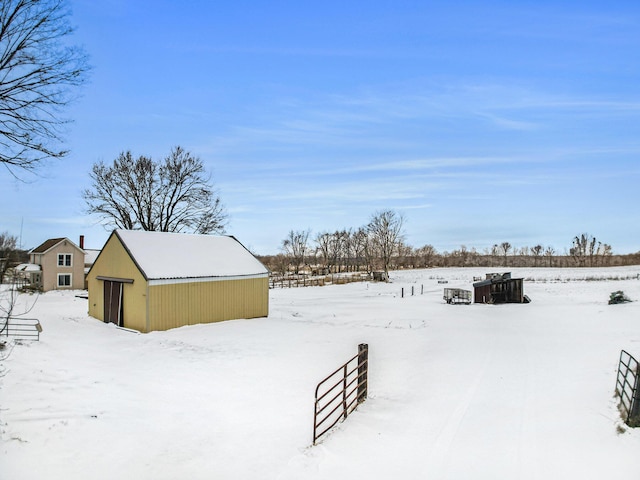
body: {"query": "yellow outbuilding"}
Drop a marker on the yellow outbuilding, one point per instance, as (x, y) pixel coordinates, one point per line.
(150, 281)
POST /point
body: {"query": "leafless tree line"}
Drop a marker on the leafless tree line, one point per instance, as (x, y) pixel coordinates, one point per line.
(352, 250)
(366, 248)
(588, 251)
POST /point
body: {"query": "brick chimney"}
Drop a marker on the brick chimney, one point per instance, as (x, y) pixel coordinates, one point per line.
(82, 242)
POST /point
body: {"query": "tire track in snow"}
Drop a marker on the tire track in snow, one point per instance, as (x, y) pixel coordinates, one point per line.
(508, 362)
(438, 454)
(527, 441)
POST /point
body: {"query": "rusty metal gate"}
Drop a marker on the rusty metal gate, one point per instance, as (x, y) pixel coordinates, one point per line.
(19, 328)
(340, 392)
(627, 389)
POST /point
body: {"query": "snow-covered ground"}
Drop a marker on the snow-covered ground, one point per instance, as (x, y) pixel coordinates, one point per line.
(456, 392)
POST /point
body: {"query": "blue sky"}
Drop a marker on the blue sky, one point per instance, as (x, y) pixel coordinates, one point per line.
(480, 122)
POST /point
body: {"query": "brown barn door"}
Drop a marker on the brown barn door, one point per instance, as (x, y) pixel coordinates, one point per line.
(113, 302)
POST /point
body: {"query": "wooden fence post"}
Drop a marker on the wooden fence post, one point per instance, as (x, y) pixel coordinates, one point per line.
(363, 370)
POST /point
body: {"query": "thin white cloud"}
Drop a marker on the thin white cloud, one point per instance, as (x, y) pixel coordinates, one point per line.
(509, 124)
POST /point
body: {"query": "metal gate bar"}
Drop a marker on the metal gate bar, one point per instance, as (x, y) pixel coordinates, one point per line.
(627, 388)
(21, 328)
(347, 390)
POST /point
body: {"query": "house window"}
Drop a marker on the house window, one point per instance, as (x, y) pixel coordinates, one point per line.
(64, 279)
(64, 259)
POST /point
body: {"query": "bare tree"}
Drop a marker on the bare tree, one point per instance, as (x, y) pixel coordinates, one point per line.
(8, 244)
(426, 255)
(360, 247)
(323, 241)
(587, 247)
(464, 255)
(594, 251)
(549, 253)
(175, 195)
(385, 231)
(404, 255)
(536, 250)
(337, 248)
(348, 250)
(281, 263)
(334, 249)
(296, 247)
(505, 246)
(581, 247)
(38, 71)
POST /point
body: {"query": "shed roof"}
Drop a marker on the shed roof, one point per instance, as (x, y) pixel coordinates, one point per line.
(496, 279)
(162, 255)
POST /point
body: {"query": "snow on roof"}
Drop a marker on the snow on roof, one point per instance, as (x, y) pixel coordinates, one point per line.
(178, 255)
(90, 255)
(27, 267)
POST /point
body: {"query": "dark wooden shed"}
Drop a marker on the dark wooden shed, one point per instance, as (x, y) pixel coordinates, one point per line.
(499, 288)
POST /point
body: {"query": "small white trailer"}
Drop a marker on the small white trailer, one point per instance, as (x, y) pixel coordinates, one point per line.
(457, 295)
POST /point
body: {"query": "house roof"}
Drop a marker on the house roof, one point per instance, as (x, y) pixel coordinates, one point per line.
(49, 244)
(162, 255)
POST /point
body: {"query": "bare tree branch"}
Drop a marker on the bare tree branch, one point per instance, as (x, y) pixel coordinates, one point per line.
(385, 232)
(175, 195)
(38, 71)
(296, 247)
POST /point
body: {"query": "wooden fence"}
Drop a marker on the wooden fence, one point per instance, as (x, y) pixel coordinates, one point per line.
(294, 281)
(412, 291)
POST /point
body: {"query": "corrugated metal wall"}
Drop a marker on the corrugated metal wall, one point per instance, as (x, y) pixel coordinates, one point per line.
(114, 261)
(175, 305)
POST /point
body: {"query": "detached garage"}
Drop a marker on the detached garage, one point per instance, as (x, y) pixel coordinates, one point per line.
(150, 281)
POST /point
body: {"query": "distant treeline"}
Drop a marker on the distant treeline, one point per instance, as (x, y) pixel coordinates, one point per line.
(281, 263)
(350, 251)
